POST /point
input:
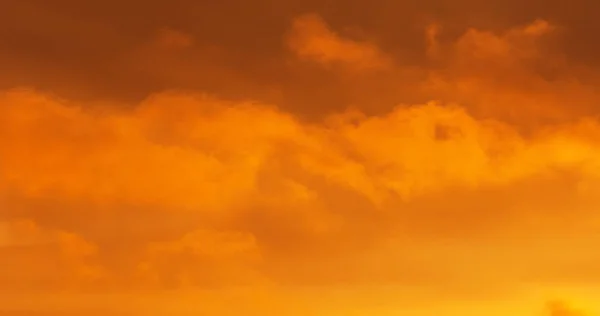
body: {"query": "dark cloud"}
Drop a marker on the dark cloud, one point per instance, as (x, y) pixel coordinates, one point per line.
(84, 49)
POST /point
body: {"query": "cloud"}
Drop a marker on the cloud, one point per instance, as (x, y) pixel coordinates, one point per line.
(312, 39)
(516, 74)
(37, 257)
(558, 308)
(274, 194)
(512, 75)
(172, 39)
(211, 258)
(184, 195)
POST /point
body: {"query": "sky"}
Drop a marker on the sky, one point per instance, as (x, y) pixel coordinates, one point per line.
(289, 158)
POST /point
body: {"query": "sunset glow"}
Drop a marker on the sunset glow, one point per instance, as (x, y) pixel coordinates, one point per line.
(299, 158)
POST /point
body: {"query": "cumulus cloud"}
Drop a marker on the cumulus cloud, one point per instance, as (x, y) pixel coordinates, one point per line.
(35, 257)
(516, 74)
(187, 195)
(511, 75)
(254, 197)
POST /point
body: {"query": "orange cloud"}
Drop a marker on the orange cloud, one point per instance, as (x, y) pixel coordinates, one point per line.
(295, 189)
(186, 196)
(510, 76)
(311, 38)
(35, 257)
(172, 39)
(212, 258)
(558, 308)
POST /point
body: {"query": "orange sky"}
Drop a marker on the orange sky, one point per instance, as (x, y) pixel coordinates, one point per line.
(299, 158)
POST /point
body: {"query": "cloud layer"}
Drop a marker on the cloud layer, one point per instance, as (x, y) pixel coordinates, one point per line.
(485, 190)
